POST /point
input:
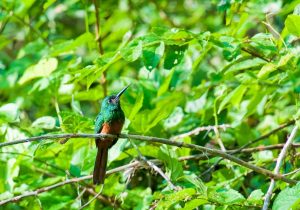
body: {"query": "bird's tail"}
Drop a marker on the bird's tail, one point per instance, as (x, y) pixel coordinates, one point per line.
(100, 165)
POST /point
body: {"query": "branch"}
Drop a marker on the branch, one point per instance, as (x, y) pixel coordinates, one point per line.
(198, 130)
(155, 168)
(69, 181)
(252, 142)
(100, 46)
(151, 139)
(278, 165)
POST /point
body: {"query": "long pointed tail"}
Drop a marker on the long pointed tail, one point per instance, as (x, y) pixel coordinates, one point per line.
(100, 165)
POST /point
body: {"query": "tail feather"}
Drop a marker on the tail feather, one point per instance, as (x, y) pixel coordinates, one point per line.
(100, 165)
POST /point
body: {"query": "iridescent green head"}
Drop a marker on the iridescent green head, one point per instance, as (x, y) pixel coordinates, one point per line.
(112, 103)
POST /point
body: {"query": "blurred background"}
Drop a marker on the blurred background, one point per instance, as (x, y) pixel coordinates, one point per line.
(190, 64)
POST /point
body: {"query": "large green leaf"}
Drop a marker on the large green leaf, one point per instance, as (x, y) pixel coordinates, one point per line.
(292, 24)
(174, 55)
(152, 55)
(42, 69)
(288, 198)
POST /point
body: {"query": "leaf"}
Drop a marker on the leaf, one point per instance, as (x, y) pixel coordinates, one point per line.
(233, 97)
(42, 69)
(133, 102)
(46, 122)
(174, 197)
(132, 51)
(287, 198)
(193, 204)
(173, 166)
(152, 55)
(292, 24)
(174, 55)
(69, 46)
(246, 64)
(9, 112)
(165, 85)
(266, 70)
(226, 196)
(256, 197)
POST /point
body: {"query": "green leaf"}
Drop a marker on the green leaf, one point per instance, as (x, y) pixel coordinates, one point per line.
(292, 24)
(46, 122)
(226, 196)
(174, 197)
(174, 55)
(287, 198)
(173, 166)
(256, 197)
(69, 46)
(42, 69)
(9, 112)
(193, 204)
(266, 70)
(132, 51)
(152, 55)
(165, 85)
(233, 97)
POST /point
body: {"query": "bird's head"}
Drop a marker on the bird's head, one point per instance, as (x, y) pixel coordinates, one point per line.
(113, 102)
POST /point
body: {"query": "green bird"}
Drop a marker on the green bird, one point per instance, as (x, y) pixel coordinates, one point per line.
(110, 120)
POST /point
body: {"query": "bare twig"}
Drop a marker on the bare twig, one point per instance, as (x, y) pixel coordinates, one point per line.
(99, 41)
(198, 130)
(278, 165)
(69, 181)
(252, 142)
(214, 152)
(154, 167)
(255, 54)
(94, 198)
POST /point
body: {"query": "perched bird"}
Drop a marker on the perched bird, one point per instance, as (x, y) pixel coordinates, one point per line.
(110, 120)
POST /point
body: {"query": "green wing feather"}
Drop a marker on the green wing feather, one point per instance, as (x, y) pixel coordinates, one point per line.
(99, 123)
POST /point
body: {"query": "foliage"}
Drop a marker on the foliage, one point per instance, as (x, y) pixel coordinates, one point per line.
(189, 63)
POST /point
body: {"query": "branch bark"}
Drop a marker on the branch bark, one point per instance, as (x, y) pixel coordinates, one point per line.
(99, 42)
(278, 165)
(151, 139)
(69, 181)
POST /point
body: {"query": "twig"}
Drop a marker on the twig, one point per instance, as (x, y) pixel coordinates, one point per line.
(292, 172)
(198, 130)
(69, 181)
(100, 46)
(252, 142)
(94, 198)
(278, 165)
(151, 139)
(154, 167)
(255, 54)
(99, 197)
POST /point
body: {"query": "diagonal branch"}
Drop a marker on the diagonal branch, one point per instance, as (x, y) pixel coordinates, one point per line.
(69, 181)
(278, 165)
(214, 152)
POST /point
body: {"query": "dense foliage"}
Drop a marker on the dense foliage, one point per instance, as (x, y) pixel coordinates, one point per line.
(190, 64)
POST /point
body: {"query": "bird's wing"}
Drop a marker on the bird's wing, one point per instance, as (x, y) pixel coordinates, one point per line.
(99, 123)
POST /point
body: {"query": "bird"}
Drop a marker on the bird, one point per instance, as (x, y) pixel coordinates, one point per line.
(110, 120)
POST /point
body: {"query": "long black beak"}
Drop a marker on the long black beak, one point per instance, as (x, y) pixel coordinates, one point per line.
(121, 92)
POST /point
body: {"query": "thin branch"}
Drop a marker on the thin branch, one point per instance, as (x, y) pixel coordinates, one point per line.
(214, 152)
(278, 165)
(269, 133)
(99, 42)
(69, 181)
(252, 142)
(255, 54)
(154, 167)
(94, 198)
(99, 197)
(198, 130)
